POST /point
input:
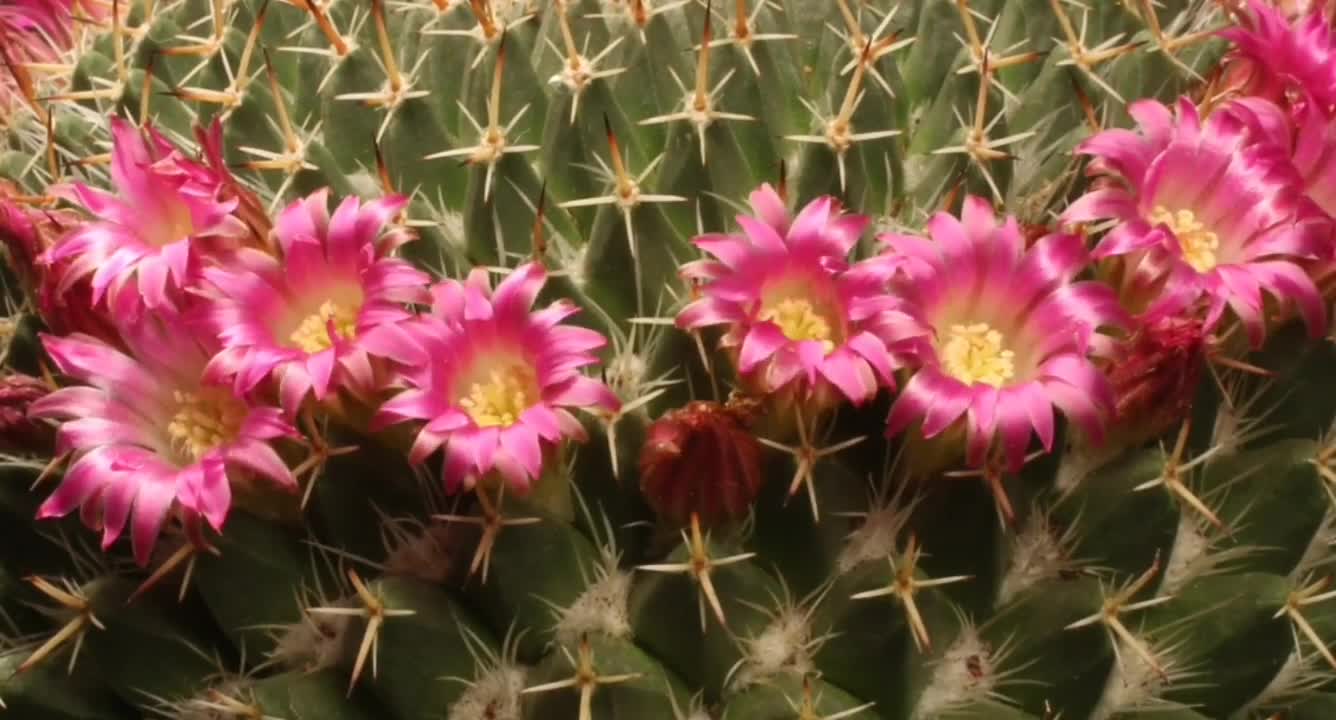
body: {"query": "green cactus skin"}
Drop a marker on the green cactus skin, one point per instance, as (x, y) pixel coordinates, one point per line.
(1111, 595)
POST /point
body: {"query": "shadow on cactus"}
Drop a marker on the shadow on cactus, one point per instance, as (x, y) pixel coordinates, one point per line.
(693, 360)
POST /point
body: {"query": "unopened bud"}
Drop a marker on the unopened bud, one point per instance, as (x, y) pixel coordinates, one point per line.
(701, 459)
(20, 433)
(1156, 375)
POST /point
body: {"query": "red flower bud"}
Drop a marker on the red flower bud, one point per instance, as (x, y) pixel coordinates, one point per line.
(1156, 375)
(18, 432)
(26, 235)
(701, 459)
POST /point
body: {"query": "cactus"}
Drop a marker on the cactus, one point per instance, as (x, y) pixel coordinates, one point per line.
(667, 359)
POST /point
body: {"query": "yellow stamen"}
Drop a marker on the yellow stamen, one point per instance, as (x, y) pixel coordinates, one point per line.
(977, 353)
(175, 224)
(800, 321)
(204, 420)
(312, 334)
(1199, 244)
(500, 400)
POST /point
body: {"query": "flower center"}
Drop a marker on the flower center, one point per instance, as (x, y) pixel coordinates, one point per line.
(976, 353)
(1199, 244)
(800, 321)
(172, 223)
(312, 333)
(501, 399)
(203, 421)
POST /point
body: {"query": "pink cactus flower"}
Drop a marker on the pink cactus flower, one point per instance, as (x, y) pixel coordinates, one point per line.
(146, 434)
(1288, 51)
(1305, 134)
(796, 308)
(168, 210)
(494, 381)
(301, 318)
(1012, 334)
(30, 31)
(1205, 211)
(39, 31)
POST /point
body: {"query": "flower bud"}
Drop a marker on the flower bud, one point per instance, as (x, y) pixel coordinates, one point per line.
(18, 432)
(1156, 375)
(27, 234)
(701, 459)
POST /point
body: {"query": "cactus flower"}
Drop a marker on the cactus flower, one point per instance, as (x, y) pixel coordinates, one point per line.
(301, 318)
(30, 31)
(1013, 335)
(166, 211)
(493, 380)
(1206, 210)
(796, 308)
(1288, 51)
(147, 434)
(41, 31)
(1305, 134)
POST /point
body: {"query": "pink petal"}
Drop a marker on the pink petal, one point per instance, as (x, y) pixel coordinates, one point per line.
(762, 235)
(929, 395)
(449, 421)
(709, 311)
(426, 443)
(117, 501)
(874, 351)
(1078, 408)
(1039, 411)
(156, 493)
(982, 422)
(584, 392)
(732, 252)
(212, 494)
(262, 459)
(85, 477)
(410, 405)
(69, 402)
(1100, 204)
(762, 341)
(396, 342)
(1287, 281)
(850, 374)
(521, 443)
(458, 471)
(770, 208)
(1013, 422)
(293, 385)
(320, 368)
(544, 421)
(808, 227)
(516, 294)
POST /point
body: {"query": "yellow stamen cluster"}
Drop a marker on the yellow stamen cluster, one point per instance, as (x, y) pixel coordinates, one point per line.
(204, 420)
(312, 334)
(977, 353)
(173, 224)
(500, 400)
(800, 321)
(1199, 244)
